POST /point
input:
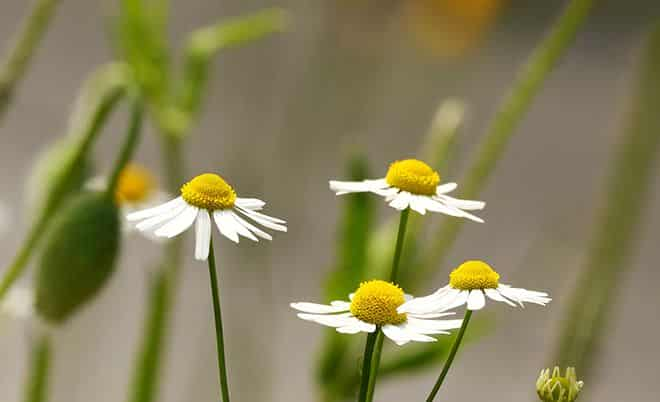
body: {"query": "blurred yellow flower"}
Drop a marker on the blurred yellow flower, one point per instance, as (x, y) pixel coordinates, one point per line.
(449, 28)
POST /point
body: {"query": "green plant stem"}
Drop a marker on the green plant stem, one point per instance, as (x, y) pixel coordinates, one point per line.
(511, 112)
(450, 357)
(36, 387)
(16, 61)
(403, 222)
(219, 337)
(162, 293)
(378, 342)
(366, 365)
(128, 147)
(18, 264)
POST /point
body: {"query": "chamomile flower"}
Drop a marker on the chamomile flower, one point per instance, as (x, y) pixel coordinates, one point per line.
(413, 183)
(205, 195)
(137, 189)
(374, 305)
(470, 284)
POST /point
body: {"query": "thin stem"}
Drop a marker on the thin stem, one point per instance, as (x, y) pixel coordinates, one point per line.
(36, 386)
(128, 148)
(224, 387)
(97, 120)
(511, 112)
(394, 273)
(375, 365)
(450, 358)
(366, 365)
(18, 57)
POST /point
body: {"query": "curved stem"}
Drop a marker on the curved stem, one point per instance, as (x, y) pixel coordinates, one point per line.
(219, 337)
(36, 386)
(450, 358)
(20, 53)
(127, 149)
(366, 365)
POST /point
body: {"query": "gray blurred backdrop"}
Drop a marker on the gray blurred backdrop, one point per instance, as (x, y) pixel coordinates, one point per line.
(281, 117)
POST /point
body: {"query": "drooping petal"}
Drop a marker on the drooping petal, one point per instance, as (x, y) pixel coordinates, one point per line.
(345, 187)
(160, 209)
(241, 229)
(330, 320)
(226, 225)
(401, 200)
(202, 235)
(178, 224)
(262, 219)
(160, 219)
(476, 300)
(254, 204)
(251, 227)
(320, 308)
(445, 188)
(468, 205)
(494, 294)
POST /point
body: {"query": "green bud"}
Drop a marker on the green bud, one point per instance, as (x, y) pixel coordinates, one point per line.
(78, 256)
(555, 388)
(52, 178)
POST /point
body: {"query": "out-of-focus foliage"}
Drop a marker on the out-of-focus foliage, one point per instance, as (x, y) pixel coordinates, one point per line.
(174, 98)
(628, 189)
(78, 257)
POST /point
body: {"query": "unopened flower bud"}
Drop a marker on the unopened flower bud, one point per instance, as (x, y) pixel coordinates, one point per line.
(555, 388)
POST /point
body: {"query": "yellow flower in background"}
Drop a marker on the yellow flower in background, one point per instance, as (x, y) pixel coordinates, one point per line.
(449, 28)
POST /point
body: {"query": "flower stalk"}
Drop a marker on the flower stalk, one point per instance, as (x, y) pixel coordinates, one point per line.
(36, 387)
(219, 336)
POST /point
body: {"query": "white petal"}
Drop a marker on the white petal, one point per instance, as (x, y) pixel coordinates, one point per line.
(418, 204)
(158, 220)
(401, 200)
(226, 225)
(147, 213)
(446, 188)
(432, 326)
(259, 218)
(202, 235)
(264, 217)
(239, 226)
(345, 187)
(332, 320)
(437, 205)
(476, 300)
(395, 334)
(357, 326)
(254, 204)
(177, 225)
(494, 294)
(468, 205)
(341, 304)
(320, 308)
(520, 295)
(428, 316)
(251, 227)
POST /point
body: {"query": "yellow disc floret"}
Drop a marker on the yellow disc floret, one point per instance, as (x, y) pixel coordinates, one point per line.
(135, 184)
(209, 191)
(474, 275)
(376, 302)
(413, 176)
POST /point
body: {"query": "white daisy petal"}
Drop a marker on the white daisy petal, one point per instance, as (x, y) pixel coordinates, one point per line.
(239, 226)
(401, 200)
(418, 204)
(148, 213)
(251, 227)
(468, 205)
(255, 216)
(226, 225)
(264, 217)
(494, 294)
(202, 235)
(345, 187)
(341, 304)
(433, 325)
(178, 224)
(320, 308)
(476, 300)
(445, 188)
(396, 334)
(332, 320)
(158, 220)
(254, 204)
(419, 334)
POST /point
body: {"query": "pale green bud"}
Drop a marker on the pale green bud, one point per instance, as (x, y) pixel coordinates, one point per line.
(555, 388)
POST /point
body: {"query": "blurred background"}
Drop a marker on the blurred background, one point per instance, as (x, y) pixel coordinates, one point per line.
(282, 117)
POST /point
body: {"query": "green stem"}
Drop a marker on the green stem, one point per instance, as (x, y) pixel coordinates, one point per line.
(99, 116)
(20, 53)
(36, 386)
(529, 82)
(394, 273)
(375, 365)
(219, 337)
(378, 347)
(128, 147)
(162, 293)
(450, 358)
(366, 365)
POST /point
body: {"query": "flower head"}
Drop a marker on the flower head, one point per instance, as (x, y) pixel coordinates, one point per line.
(205, 195)
(555, 388)
(374, 304)
(413, 183)
(470, 284)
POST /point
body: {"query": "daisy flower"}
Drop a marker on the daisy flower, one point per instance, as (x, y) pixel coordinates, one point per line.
(412, 183)
(202, 197)
(374, 305)
(471, 283)
(137, 189)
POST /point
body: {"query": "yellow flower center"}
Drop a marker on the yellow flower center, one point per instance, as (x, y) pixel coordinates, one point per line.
(135, 184)
(413, 176)
(474, 275)
(376, 302)
(209, 191)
